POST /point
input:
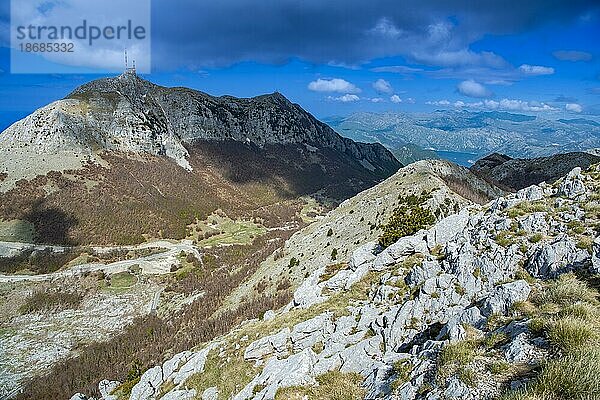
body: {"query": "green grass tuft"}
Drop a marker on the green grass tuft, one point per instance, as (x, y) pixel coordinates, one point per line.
(467, 376)
(567, 290)
(460, 353)
(574, 376)
(570, 333)
(536, 237)
(402, 369)
(333, 385)
(499, 367)
(495, 339)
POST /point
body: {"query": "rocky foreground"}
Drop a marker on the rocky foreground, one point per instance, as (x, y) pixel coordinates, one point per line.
(494, 301)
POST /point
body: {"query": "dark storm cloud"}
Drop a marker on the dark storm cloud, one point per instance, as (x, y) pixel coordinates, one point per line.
(193, 34)
(198, 33)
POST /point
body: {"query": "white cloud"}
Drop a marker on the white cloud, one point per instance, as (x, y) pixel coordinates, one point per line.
(395, 99)
(410, 100)
(501, 82)
(397, 69)
(473, 89)
(484, 75)
(438, 103)
(518, 105)
(504, 104)
(383, 86)
(347, 98)
(338, 64)
(386, 28)
(460, 58)
(574, 107)
(333, 85)
(536, 70)
(377, 100)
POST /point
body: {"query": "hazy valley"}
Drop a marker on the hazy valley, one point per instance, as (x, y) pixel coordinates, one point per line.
(465, 136)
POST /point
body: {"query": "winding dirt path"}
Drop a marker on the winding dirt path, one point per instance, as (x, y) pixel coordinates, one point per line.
(153, 264)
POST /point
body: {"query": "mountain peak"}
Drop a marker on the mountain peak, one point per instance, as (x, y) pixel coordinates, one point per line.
(274, 98)
(493, 160)
(126, 83)
(130, 114)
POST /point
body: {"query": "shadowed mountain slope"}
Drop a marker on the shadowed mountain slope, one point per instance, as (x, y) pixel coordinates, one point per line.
(517, 173)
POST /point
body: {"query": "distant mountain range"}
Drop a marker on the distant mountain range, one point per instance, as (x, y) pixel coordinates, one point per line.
(475, 133)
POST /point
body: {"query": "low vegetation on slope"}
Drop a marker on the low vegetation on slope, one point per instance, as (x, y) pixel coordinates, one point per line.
(219, 229)
(45, 300)
(136, 199)
(130, 200)
(41, 261)
(407, 219)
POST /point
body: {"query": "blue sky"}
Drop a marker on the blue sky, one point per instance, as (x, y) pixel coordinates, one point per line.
(336, 57)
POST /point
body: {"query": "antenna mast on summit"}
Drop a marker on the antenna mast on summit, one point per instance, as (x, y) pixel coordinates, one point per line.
(127, 68)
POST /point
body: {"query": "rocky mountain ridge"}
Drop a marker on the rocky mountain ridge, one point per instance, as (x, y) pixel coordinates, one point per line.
(359, 219)
(493, 299)
(128, 113)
